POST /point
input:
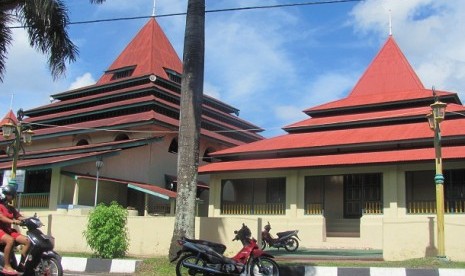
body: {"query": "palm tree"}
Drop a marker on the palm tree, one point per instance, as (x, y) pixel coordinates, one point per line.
(46, 22)
(189, 125)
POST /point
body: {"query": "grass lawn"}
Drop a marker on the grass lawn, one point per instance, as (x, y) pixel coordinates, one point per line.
(162, 267)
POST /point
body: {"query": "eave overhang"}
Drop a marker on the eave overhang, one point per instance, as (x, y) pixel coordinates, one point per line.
(139, 186)
(335, 160)
(402, 133)
(70, 155)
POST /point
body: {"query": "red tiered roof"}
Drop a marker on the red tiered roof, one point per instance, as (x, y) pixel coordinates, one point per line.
(381, 121)
(389, 78)
(150, 52)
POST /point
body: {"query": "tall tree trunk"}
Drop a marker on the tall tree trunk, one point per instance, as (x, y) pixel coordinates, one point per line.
(189, 125)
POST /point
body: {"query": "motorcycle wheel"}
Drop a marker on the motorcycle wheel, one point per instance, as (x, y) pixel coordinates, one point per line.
(291, 244)
(49, 267)
(263, 245)
(181, 270)
(264, 266)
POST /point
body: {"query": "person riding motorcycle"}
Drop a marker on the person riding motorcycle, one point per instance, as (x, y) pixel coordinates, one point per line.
(8, 235)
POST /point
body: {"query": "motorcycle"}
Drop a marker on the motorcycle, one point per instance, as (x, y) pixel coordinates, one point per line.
(288, 239)
(200, 257)
(40, 258)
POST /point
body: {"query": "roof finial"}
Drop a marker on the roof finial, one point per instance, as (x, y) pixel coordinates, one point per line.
(390, 23)
(435, 95)
(153, 10)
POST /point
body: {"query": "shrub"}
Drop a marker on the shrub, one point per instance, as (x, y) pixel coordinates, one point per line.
(107, 233)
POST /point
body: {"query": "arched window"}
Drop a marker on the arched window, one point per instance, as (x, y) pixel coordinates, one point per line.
(121, 137)
(173, 146)
(206, 156)
(82, 142)
(229, 191)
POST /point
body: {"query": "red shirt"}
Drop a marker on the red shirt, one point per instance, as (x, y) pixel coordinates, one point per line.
(9, 212)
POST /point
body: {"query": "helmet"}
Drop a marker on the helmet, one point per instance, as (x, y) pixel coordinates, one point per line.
(268, 227)
(9, 190)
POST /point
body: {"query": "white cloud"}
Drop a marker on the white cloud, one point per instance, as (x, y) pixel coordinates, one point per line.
(289, 113)
(82, 81)
(330, 86)
(430, 33)
(212, 91)
(27, 76)
(271, 64)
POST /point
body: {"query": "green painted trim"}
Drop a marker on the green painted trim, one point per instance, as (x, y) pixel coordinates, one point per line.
(69, 162)
(131, 186)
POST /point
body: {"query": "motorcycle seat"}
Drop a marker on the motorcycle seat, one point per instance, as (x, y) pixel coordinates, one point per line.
(285, 233)
(218, 247)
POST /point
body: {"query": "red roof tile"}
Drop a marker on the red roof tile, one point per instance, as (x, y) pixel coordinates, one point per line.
(389, 78)
(364, 158)
(388, 73)
(378, 134)
(150, 51)
(370, 116)
(9, 118)
(378, 99)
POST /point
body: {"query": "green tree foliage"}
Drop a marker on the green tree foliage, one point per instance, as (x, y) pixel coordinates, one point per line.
(46, 23)
(107, 232)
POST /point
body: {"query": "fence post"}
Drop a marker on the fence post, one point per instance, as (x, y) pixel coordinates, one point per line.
(49, 227)
(259, 232)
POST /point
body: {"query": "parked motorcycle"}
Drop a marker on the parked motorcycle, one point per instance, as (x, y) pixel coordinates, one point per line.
(201, 257)
(288, 239)
(40, 258)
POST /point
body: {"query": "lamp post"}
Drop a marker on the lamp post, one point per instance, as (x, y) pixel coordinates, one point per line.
(434, 120)
(22, 135)
(98, 165)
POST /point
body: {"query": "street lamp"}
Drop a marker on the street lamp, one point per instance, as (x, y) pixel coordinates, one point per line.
(434, 120)
(13, 125)
(98, 165)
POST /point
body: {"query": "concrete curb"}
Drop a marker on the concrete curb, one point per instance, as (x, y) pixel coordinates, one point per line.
(99, 265)
(367, 271)
(92, 265)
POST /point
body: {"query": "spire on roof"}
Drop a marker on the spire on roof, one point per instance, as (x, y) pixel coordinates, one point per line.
(390, 23)
(389, 72)
(149, 52)
(153, 10)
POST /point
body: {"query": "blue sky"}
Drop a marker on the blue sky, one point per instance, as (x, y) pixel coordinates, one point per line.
(269, 63)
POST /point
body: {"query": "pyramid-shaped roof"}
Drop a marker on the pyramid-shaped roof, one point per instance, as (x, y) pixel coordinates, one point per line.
(149, 52)
(389, 78)
(381, 121)
(9, 118)
(389, 72)
(141, 88)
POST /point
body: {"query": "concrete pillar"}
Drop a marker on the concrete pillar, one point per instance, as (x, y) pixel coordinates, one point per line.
(390, 191)
(76, 191)
(54, 188)
(172, 206)
(146, 204)
(291, 195)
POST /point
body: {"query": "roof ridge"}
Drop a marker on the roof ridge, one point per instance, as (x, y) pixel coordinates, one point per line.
(150, 41)
(389, 72)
